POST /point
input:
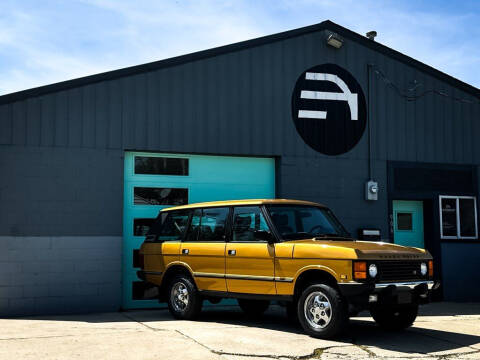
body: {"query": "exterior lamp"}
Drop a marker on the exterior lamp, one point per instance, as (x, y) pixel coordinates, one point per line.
(334, 40)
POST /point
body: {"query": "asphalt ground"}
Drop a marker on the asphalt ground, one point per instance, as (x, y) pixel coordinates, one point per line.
(442, 331)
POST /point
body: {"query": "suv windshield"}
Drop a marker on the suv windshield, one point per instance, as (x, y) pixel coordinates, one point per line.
(303, 221)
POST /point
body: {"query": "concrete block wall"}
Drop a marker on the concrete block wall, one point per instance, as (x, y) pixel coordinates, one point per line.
(62, 274)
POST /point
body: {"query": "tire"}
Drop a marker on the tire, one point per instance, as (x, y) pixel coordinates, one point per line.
(322, 311)
(253, 308)
(395, 317)
(184, 301)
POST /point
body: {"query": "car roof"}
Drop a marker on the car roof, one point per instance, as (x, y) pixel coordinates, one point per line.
(244, 202)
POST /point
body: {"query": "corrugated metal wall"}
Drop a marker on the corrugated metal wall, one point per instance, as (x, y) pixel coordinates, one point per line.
(239, 103)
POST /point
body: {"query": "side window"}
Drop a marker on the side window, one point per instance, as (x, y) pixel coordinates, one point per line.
(193, 230)
(213, 224)
(174, 224)
(247, 220)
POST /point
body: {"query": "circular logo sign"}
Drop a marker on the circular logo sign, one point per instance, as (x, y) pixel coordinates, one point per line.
(329, 109)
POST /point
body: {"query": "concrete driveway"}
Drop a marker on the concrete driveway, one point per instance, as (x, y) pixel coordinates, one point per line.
(444, 331)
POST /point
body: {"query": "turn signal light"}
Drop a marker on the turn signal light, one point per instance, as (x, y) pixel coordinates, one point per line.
(430, 268)
(360, 270)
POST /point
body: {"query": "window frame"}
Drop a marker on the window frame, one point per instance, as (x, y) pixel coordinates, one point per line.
(457, 209)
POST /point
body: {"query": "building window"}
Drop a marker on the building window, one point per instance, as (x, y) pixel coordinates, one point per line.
(160, 196)
(153, 165)
(404, 221)
(458, 217)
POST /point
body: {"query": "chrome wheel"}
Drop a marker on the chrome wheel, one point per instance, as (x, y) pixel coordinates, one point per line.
(179, 297)
(317, 310)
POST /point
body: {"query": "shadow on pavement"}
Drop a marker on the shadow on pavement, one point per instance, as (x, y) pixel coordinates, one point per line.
(362, 330)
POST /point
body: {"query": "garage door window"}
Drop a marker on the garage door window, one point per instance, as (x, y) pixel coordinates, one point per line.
(160, 196)
(458, 217)
(161, 166)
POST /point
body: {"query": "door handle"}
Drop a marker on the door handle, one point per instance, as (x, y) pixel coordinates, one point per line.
(185, 251)
(232, 252)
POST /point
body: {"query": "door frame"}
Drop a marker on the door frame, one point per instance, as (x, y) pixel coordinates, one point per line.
(414, 224)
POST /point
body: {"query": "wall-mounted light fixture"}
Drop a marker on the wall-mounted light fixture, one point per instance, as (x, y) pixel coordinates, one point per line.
(334, 40)
(371, 35)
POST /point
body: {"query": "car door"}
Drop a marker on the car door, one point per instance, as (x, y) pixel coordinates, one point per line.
(203, 248)
(249, 260)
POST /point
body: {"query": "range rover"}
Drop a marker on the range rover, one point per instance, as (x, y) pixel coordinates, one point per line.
(294, 252)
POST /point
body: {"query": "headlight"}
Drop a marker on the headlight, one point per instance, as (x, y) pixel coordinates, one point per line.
(372, 270)
(423, 269)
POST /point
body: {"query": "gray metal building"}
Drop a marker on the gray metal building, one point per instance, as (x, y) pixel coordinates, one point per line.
(317, 119)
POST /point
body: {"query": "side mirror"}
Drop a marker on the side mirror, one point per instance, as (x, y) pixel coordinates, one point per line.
(264, 236)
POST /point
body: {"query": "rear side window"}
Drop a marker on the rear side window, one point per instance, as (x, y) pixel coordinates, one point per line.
(208, 225)
(172, 225)
(213, 224)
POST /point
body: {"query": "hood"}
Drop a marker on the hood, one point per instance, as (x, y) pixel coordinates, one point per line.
(356, 249)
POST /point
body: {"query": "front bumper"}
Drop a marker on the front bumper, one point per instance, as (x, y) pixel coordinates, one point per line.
(408, 292)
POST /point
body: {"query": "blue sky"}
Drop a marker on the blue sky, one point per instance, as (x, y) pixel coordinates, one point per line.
(43, 42)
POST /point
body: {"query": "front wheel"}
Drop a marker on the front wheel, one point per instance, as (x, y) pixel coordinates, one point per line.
(394, 317)
(322, 311)
(184, 301)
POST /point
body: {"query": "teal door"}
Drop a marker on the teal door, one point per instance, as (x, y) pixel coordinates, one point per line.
(408, 223)
(155, 181)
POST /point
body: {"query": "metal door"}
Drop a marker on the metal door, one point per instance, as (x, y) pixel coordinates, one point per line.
(408, 223)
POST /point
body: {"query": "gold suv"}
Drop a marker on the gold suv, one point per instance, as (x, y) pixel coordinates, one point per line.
(294, 252)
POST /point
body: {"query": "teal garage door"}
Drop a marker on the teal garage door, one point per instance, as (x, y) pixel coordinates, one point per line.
(155, 181)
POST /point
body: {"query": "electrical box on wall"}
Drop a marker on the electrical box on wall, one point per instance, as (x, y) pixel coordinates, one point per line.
(371, 190)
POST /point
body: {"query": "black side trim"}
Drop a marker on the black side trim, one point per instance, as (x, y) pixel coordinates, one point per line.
(225, 294)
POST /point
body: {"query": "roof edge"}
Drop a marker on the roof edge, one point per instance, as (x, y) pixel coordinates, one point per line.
(203, 54)
(159, 64)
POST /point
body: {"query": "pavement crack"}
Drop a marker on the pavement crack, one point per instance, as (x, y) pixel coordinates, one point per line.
(366, 349)
(314, 355)
(141, 323)
(52, 336)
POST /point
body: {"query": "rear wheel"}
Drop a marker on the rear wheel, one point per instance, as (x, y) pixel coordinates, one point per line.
(184, 301)
(395, 317)
(322, 311)
(253, 308)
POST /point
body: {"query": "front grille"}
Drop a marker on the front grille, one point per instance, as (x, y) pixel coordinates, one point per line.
(399, 270)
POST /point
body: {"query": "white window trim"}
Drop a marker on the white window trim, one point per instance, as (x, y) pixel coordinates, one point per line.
(457, 209)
